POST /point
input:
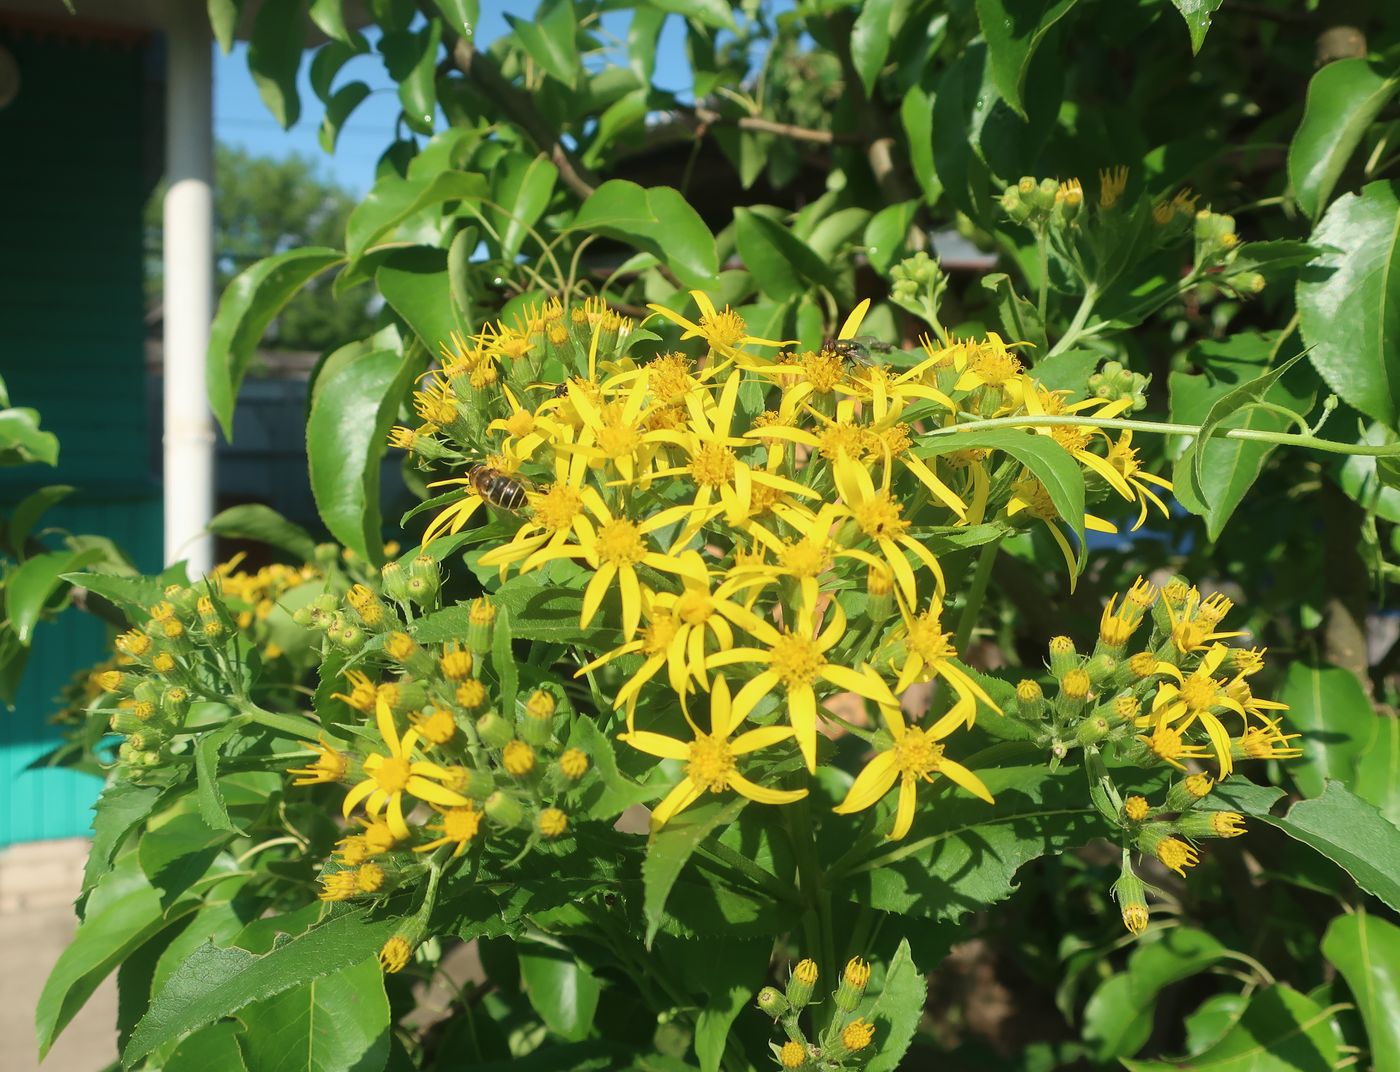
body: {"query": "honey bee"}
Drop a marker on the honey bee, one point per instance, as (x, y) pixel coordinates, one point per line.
(497, 488)
(858, 349)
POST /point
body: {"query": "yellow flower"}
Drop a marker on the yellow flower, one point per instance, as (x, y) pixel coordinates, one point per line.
(556, 514)
(723, 331)
(611, 433)
(876, 515)
(1029, 494)
(330, 766)
(1194, 621)
(455, 826)
(1195, 700)
(914, 755)
(929, 652)
(1122, 455)
(1112, 183)
(991, 364)
(710, 758)
(796, 659)
(391, 776)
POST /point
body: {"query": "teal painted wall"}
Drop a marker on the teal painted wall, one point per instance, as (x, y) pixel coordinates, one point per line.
(74, 176)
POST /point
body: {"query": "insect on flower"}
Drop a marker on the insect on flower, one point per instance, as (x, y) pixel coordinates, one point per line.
(497, 488)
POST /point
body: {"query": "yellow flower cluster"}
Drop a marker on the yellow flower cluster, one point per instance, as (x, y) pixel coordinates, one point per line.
(1180, 701)
(754, 525)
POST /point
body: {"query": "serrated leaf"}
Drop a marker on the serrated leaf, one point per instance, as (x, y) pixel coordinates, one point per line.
(670, 848)
(330, 1024)
(897, 1011)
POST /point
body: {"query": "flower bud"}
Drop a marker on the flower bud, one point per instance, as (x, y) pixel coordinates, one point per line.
(1160, 839)
(879, 590)
(552, 823)
(536, 721)
(1190, 791)
(1062, 656)
(1030, 699)
(854, 980)
(854, 1037)
(518, 759)
(793, 1055)
(1075, 685)
(573, 764)
(395, 581)
(1136, 808)
(481, 620)
(771, 1001)
(455, 663)
(1132, 900)
(424, 579)
(503, 810)
(348, 636)
(801, 983)
(495, 732)
(1092, 730)
(1212, 824)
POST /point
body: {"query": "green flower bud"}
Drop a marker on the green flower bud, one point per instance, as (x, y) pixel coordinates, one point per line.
(504, 810)
(395, 581)
(854, 980)
(494, 731)
(481, 621)
(771, 1001)
(801, 983)
(1092, 730)
(1131, 895)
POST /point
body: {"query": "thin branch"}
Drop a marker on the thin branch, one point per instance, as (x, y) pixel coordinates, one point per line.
(705, 117)
(516, 103)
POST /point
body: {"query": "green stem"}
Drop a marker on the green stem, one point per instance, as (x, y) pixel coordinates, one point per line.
(1076, 326)
(976, 594)
(817, 902)
(1042, 248)
(1288, 439)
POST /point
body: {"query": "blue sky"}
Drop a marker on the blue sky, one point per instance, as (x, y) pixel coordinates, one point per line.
(241, 119)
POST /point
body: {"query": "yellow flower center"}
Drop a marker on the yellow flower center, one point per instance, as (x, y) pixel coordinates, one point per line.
(994, 365)
(669, 378)
(658, 634)
(556, 507)
(460, 824)
(1177, 855)
(805, 558)
(1123, 458)
(712, 465)
(894, 439)
(620, 542)
(879, 517)
(617, 438)
(1136, 808)
(724, 328)
(796, 660)
(694, 608)
(1199, 693)
(392, 774)
(1166, 744)
(916, 754)
(1070, 436)
(842, 438)
(520, 423)
(710, 762)
(927, 639)
(823, 371)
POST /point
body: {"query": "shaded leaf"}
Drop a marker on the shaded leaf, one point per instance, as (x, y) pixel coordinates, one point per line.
(561, 990)
(1328, 706)
(1366, 950)
(1014, 29)
(254, 521)
(670, 847)
(274, 57)
(333, 1023)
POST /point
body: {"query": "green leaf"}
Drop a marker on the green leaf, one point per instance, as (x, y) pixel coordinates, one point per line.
(550, 40)
(727, 972)
(416, 283)
(223, 18)
(781, 263)
(715, 13)
(120, 807)
(669, 848)
(330, 1024)
(461, 15)
(394, 199)
(1050, 463)
(522, 188)
(1197, 14)
(254, 521)
(1213, 475)
(1367, 479)
(216, 1047)
(657, 220)
(1366, 950)
(561, 990)
(916, 116)
(338, 108)
(1340, 825)
(246, 309)
(208, 795)
(886, 233)
(1378, 768)
(418, 91)
(35, 581)
(1119, 1015)
(1280, 1031)
(962, 853)
(897, 1011)
(625, 112)
(503, 662)
(274, 57)
(833, 232)
(608, 794)
(1328, 706)
(1021, 320)
(353, 408)
(1014, 29)
(876, 23)
(214, 983)
(123, 912)
(1344, 98)
(32, 507)
(330, 20)
(1349, 303)
(23, 441)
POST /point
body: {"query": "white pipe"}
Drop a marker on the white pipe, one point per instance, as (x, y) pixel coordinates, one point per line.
(189, 287)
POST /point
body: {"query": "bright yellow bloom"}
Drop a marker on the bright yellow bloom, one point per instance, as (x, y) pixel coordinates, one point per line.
(876, 515)
(710, 758)
(1122, 455)
(1196, 699)
(391, 776)
(796, 659)
(330, 766)
(929, 652)
(1194, 620)
(556, 515)
(455, 826)
(914, 755)
(723, 331)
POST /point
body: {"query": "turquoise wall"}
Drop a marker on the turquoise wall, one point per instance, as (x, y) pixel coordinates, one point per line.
(75, 172)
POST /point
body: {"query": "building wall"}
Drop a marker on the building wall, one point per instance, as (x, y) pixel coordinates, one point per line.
(74, 174)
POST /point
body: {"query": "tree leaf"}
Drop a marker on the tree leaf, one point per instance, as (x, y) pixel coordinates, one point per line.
(625, 112)
(23, 441)
(223, 18)
(247, 307)
(608, 794)
(1014, 29)
(897, 1011)
(1349, 303)
(1378, 768)
(1328, 706)
(522, 188)
(876, 23)
(32, 507)
(333, 1023)
(393, 200)
(1344, 98)
(338, 108)
(1366, 950)
(354, 406)
(418, 91)
(1197, 14)
(210, 798)
(713, 13)
(886, 233)
(1340, 825)
(1231, 402)
(30, 586)
(416, 283)
(214, 982)
(561, 990)
(461, 15)
(254, 521)
(726, 972)
(120, 807)
(916, 116)
(781, 263)
(274, 57)
(1020, 319)
(657, 220)
(669, 848)
(550, 40)
(216, 1047)
(1281, 1030)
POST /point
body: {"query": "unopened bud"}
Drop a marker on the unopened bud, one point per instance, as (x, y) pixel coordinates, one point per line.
(802, 983)
(1062, 656)
(395, 581)
(771, 1001)
(1092, 730)
(481, 620)
(503, 810)
(1190, 791)
(854, 980)
(1132, 900)
(495, 732)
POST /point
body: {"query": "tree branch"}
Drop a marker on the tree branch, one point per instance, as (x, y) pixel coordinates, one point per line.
(516, 103)
(704, 117)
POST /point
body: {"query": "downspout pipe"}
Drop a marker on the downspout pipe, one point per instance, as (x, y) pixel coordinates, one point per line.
(189, 287)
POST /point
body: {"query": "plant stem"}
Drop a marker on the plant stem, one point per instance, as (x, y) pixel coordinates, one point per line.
(1076, 326)
(1287, 439)
(1042, 247)
(976, 594)
(817, 902)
